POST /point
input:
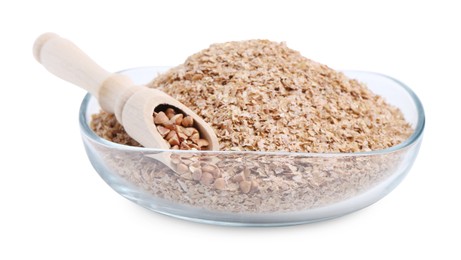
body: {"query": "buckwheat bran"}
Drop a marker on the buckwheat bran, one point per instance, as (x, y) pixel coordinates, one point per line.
(260, 95)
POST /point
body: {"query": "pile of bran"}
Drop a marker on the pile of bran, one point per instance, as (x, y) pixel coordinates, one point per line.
(260, 95)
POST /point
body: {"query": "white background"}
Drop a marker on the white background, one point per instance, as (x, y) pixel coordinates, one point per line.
(53, 205)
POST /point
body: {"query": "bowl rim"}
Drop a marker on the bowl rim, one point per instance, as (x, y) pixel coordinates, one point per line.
(416, 135)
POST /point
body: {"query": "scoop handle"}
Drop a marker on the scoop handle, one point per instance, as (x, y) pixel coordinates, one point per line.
(65, 60)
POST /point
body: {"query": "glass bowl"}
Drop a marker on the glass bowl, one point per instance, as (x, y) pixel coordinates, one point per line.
(257, 188)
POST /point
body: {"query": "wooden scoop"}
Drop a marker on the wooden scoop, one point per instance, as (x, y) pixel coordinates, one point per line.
(132, 105)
